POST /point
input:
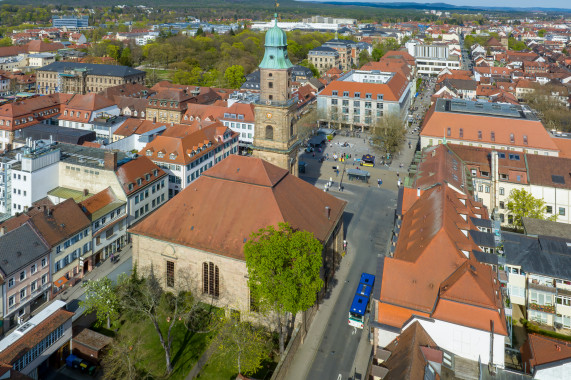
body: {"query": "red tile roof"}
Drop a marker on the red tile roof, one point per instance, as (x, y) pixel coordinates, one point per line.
(391, 91)
(129, 172)
(436, 124)
(539, 350)
(34, 336)
(542, 169)
(236, 197)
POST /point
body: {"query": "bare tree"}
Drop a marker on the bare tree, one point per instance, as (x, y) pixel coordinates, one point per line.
(120, 361)
(389, 130)
(145, 297)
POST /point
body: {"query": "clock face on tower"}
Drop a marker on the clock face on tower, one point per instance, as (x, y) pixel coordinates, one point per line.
(269, 115)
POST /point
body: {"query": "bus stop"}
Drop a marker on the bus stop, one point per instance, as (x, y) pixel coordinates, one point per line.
(358, 175)
(316, 141)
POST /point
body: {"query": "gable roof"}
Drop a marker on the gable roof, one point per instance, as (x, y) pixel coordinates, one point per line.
(89, 102)
(549, 171)
(19, 247)
(138, 168)
(238, 196)
(539, 350)
(100, 204)
(407, 361)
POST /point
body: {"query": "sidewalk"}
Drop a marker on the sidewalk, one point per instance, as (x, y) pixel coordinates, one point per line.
(306, 352)
(72, 295)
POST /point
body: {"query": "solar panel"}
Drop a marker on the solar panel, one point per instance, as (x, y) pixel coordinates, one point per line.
(558, 179)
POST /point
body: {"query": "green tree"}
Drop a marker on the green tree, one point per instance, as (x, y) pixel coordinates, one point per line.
(125, 58)
(541, 32)
(364, 57)
(6, 41)
(101, 298)
(242, 344)
(390, 132)
(191, 77)
(234, 76)
(311, 66)
(523, 204)
(113, 51)
(283, 272)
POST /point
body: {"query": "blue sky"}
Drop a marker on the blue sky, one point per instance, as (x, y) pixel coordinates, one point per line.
(482, 3)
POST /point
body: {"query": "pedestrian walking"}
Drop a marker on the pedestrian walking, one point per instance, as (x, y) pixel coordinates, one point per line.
(398, 183)
(337, 173)
(379, 182)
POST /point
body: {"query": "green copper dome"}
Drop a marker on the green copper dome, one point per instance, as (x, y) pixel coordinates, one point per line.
(275, 55)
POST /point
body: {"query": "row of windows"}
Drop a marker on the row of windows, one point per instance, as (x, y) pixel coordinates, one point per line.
(73, 168)
(145, 209)
(357, 103)
(358, 95)
(38, 349)
(60, 264)
(492, 138)
(198, 172)
(238, 125)
(24, 291)
(23, 274)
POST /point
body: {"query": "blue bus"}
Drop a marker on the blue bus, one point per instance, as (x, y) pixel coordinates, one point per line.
(361, 300)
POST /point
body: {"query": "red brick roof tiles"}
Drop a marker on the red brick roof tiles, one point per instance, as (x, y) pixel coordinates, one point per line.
(236, 197)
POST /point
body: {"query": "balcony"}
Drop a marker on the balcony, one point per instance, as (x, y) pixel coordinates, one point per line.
(543, 308)
(542, 287)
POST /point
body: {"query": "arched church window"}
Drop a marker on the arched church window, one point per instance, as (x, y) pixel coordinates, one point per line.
(269, 132)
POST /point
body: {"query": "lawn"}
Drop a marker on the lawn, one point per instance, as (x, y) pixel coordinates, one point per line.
(214, 370)
(187, 347)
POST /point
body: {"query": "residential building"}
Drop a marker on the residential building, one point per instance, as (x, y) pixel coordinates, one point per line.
(433, 275)
(92, 112)
(495, 173)
(108, 216)
(538, 270)
(168, 106)
(186, 155)
(67, 231)
(41, 341)
(324, 58)
(201, 232)
(25, 269)
(546, 358)
(434, 278)
(359, 99)
(40, 59)
(348, 52)
(489, 125)
(145, 186)
(23, 113)
(237, 116)
(82, 78)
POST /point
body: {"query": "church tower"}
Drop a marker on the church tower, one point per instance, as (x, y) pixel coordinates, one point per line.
(275, 138)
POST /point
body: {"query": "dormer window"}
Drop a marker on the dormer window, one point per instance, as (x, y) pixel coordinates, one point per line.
(160, 154)
(149, 152)
(512, 138)
(86, 115)
(493, 136)
(461, 133)
(448, 131)
(65, 113)
(147, 177)
(139, 181)
(479, 135)
(130, 186)
(172, 156)
(525, 139)
(155, 173)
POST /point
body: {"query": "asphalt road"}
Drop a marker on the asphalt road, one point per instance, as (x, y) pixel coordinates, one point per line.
(368, 222)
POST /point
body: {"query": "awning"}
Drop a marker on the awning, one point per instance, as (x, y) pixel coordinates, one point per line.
(59, 283)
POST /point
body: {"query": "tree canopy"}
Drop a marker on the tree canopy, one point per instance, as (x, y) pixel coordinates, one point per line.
(522, 204)
(390, 132)
(283, 271)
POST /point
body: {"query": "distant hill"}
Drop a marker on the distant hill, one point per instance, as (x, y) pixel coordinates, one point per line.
(435, 6)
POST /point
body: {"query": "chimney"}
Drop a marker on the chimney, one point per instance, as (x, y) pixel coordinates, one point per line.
(85, 192)
(328, 212)
(418, 192)
(2, 230)
(110, 160)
